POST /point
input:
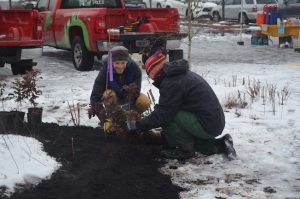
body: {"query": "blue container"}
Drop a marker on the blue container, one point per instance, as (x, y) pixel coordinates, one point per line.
(273, 18)
(260, 40)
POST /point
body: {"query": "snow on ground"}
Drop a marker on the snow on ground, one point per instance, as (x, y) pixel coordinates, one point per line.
(23, 163)
(266, 135)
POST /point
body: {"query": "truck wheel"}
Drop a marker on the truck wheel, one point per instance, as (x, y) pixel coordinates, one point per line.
(245, 19)
(175, 54)
(20, 68)
(83, 60)
(2, 63)
(216, 17)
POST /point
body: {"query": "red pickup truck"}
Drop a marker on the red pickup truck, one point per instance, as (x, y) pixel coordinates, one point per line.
(91, 27)
(20, 39)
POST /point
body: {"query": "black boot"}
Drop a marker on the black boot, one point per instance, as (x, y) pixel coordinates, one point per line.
(225, 146)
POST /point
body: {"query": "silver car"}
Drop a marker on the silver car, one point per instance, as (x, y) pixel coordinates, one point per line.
(235, 9)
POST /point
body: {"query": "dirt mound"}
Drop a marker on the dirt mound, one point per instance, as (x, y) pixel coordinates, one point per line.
(99, 166)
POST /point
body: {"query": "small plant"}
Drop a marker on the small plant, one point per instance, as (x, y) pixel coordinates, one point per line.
(26, 88)
(30, 90)
(118, 114)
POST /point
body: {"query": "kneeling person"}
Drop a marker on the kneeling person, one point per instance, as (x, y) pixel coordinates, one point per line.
(188, 111)
(125, 73)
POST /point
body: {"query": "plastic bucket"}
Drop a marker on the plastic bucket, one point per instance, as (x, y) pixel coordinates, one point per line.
(260, 18)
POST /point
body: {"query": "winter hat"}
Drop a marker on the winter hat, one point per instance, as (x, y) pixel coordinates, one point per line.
(119, 53)
(152, 61)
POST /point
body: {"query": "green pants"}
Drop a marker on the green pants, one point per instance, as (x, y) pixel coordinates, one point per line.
(185, 128)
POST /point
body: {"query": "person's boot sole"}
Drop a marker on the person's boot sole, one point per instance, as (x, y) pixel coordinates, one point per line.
(230, 151)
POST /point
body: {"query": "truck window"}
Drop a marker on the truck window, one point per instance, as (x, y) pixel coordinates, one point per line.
(51, 5)
(266, 2)
(42, 5)
(236, 2)
(249, 2)
(229, 2)
(66, 4)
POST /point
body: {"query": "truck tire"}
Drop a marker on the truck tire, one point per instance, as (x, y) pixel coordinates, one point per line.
(216, 17)
(245, 19)
(20, 68)
(175, 54)
(83, 60)
(2, 63)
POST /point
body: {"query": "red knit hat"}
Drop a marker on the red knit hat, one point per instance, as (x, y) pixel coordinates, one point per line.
(153, 60)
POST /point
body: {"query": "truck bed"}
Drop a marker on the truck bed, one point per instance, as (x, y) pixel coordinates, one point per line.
(18, 27)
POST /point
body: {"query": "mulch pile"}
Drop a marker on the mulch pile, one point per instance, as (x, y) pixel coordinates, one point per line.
(98, 166)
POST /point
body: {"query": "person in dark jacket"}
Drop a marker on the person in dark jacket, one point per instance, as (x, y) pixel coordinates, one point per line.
(188, 111)
(109, 84)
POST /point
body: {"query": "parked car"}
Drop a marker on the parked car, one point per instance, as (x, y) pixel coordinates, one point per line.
(135, 4)
(234, 9)
(204, 10)
(180, 5)
(199, 8)
(289, 8)
(155, 3)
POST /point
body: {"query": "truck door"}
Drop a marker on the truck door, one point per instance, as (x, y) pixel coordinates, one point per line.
(46, 8)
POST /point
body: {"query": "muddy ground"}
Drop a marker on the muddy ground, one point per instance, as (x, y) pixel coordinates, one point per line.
(99, 166)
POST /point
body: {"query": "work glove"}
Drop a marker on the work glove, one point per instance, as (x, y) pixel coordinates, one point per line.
(107, 126)
(94, 109)
(91, 113)
(130, 126)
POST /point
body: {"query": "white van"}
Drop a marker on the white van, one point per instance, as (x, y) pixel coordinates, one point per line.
(234, 8)
(155, 3)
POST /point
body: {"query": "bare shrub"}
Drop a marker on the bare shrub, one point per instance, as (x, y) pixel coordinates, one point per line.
(253, 89)
(283, 95)
(272, 92)
(75, 113)
(235, 101)
(234, 80)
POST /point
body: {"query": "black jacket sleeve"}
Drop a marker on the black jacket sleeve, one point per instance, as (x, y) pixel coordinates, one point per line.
(170, 100)
(98, 88)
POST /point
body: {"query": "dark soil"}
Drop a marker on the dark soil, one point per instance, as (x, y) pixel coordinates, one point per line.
(100, 167)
